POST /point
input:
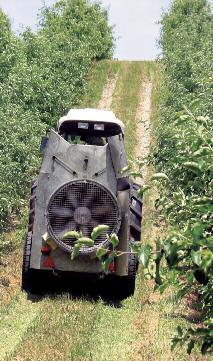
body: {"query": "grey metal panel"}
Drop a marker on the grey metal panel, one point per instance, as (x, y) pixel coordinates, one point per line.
(39, 227)
(62, 163)
(116, 145)
(86, 264)
(123, 246)
(111, 181)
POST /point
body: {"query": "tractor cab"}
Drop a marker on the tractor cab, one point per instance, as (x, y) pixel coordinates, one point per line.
(97, 128)
(90, 126)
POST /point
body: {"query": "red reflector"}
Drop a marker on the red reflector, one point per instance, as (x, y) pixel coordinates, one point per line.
(112, 267)
(45, 250)
(48, 262)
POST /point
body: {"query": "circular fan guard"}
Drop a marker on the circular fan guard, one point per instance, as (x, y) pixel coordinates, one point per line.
(81, 206)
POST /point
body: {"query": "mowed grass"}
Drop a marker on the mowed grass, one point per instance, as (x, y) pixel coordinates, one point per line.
(100, 73)
(18, 316)
(67, 329)
(127, 96)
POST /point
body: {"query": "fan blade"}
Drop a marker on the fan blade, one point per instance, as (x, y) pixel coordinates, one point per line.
(101, 211)
(72, 199)
(62, 212)
(88, 199)
(94, 223)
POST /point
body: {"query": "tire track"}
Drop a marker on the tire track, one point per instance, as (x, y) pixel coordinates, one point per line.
(143, 117)
(107, 94)
(13, 326)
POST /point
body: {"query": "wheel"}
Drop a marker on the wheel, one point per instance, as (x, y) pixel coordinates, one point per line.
(128, 282)
(136, 207)
(26, 271)
(121, 287)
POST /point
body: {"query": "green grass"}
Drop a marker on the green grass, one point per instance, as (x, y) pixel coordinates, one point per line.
(101, 72)
(68, 329)
(126, 99)
(18, 316)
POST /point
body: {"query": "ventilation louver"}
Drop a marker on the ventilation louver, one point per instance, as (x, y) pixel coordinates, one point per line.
(82, 205)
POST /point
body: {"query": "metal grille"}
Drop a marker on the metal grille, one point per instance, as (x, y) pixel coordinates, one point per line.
(81, 206)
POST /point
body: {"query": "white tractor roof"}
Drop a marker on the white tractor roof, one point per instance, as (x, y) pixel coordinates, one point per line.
(89, 114)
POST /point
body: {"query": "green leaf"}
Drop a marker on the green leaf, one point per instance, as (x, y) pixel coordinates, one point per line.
(207, 259)
(98, 230)
(190, 346)
(197, 230)
(142, 190)
(196, 257)
(159, 176)
(114, 239)
(107, 262)
(71, 234)
(136, 247)
(145, 253)
(136, 174)
(101, 252)
(125, 169)
(84, 241)
(193, 167)
(172, 254)
(203, 201)
(202, 152)
(76, 251)
(160, 287)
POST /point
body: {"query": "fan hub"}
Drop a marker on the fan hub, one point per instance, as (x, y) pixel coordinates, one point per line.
(82, 215)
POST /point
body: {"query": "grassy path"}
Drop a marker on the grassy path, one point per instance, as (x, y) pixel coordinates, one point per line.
(69, 329)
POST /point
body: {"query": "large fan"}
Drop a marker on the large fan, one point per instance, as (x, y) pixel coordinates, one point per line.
(81, 206)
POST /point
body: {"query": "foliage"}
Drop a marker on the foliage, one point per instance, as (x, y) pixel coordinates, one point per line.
(43, 75)
(184, 153)
(8, 46)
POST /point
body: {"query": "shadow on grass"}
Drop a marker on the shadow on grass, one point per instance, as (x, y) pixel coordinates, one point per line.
(191, 306)
(191, 315)
(108, 290)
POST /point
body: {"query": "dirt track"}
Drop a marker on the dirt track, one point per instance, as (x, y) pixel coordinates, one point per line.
(144, 126)
(107, 94)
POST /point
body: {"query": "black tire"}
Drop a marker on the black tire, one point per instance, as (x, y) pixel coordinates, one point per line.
(128, 282)
(27, 274)
(121, 287)
(136, 208)
(136, 205)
